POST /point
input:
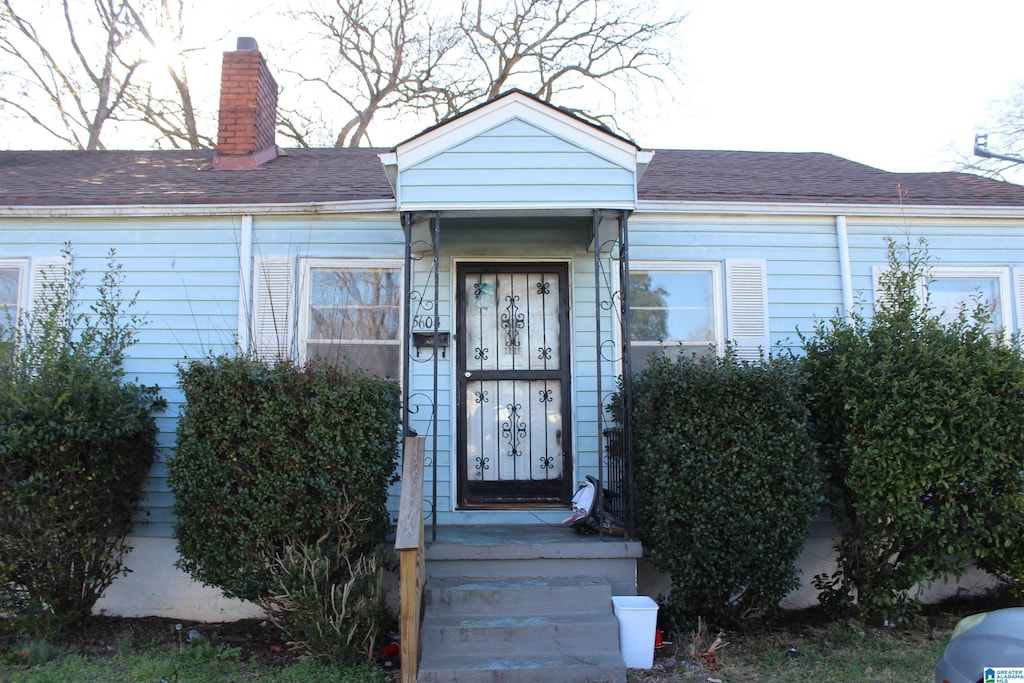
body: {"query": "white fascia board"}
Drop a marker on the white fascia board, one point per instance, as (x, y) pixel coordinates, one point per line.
(532, 208)
(164, 210)
(643, 160)
(649, 207)
(389, 160)
(508, 108)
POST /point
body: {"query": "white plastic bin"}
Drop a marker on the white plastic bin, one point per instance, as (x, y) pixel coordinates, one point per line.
(638, 622)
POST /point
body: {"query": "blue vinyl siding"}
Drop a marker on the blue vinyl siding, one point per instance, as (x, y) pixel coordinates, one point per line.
(356, 236)
(186, 271)
(801, 254)
(983, 243)
(516, 163)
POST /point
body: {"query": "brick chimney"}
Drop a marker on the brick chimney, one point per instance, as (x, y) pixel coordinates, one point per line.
(248, 110)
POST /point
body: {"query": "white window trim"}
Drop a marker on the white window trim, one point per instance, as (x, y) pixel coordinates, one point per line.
(999, 273)
(20, 293)
(717, 295)
(20, 265)
(1018, 292)
(308, 264)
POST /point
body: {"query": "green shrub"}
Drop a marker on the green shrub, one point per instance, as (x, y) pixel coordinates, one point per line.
(726, 481)
(207, 648)
(76, 443)
(923, 442)
(329, 602)
(263, 451)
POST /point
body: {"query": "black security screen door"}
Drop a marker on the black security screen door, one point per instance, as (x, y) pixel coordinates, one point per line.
(513, 384)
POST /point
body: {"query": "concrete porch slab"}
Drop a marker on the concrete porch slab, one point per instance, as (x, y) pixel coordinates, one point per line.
(525, 542)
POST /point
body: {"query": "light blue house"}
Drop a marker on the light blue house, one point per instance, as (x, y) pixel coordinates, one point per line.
(484, 263)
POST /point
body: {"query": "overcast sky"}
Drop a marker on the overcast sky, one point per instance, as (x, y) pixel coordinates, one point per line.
(890, 83)
(896, 84)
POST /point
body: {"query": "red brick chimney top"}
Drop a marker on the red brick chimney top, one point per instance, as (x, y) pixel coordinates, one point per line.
(248, 110)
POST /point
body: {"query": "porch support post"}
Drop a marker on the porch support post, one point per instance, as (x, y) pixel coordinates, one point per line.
(625, 322)
(600, 369)
(407, 326)
(435, 220)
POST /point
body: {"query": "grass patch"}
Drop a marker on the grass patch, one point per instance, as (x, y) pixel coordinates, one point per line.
(837, 652)
(151, 650)
(807, 647)
(801, 647)
(156, 666)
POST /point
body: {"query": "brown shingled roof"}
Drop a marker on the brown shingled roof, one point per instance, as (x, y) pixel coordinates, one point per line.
(812, 178)
(77, 178)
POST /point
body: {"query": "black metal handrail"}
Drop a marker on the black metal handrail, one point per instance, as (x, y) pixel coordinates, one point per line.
(617, 500)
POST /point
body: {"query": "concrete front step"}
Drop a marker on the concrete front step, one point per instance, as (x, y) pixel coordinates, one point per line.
(588, 668)
(619, 572)
(524, 604)
(535, 630)
(509, 597)
(497, 634)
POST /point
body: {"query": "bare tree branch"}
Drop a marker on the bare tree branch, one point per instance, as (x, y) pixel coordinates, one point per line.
(365, 64)
(83, 72)
(175, 120)
(1006, 136)
(379, 58)
(557, 48)
(77, 71)
(386, 58)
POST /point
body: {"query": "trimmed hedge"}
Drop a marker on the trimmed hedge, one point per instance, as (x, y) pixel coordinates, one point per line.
(264, 454)
(921, 431)
(76, 443)
(726, 481)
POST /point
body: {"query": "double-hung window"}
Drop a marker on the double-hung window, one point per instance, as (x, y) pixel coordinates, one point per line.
(676, 307)
(12, 276)
(694, 307)
(952, 288)
(352, 313)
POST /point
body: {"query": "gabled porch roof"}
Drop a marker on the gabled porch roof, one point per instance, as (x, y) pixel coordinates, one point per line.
(515, 153)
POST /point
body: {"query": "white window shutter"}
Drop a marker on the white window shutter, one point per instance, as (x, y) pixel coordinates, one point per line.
(49, 276)
(746, 291)
(1018, 297)
(273, 306)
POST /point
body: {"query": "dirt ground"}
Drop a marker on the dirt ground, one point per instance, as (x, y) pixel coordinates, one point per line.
(101, 635)
(257, 640)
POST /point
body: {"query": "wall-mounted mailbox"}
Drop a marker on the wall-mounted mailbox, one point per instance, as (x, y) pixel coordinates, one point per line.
(425, 340)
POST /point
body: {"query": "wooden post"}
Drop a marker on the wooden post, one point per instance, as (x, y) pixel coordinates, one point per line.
(409, 545)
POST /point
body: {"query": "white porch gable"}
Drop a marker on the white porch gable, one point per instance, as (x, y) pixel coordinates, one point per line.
(515, 153)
